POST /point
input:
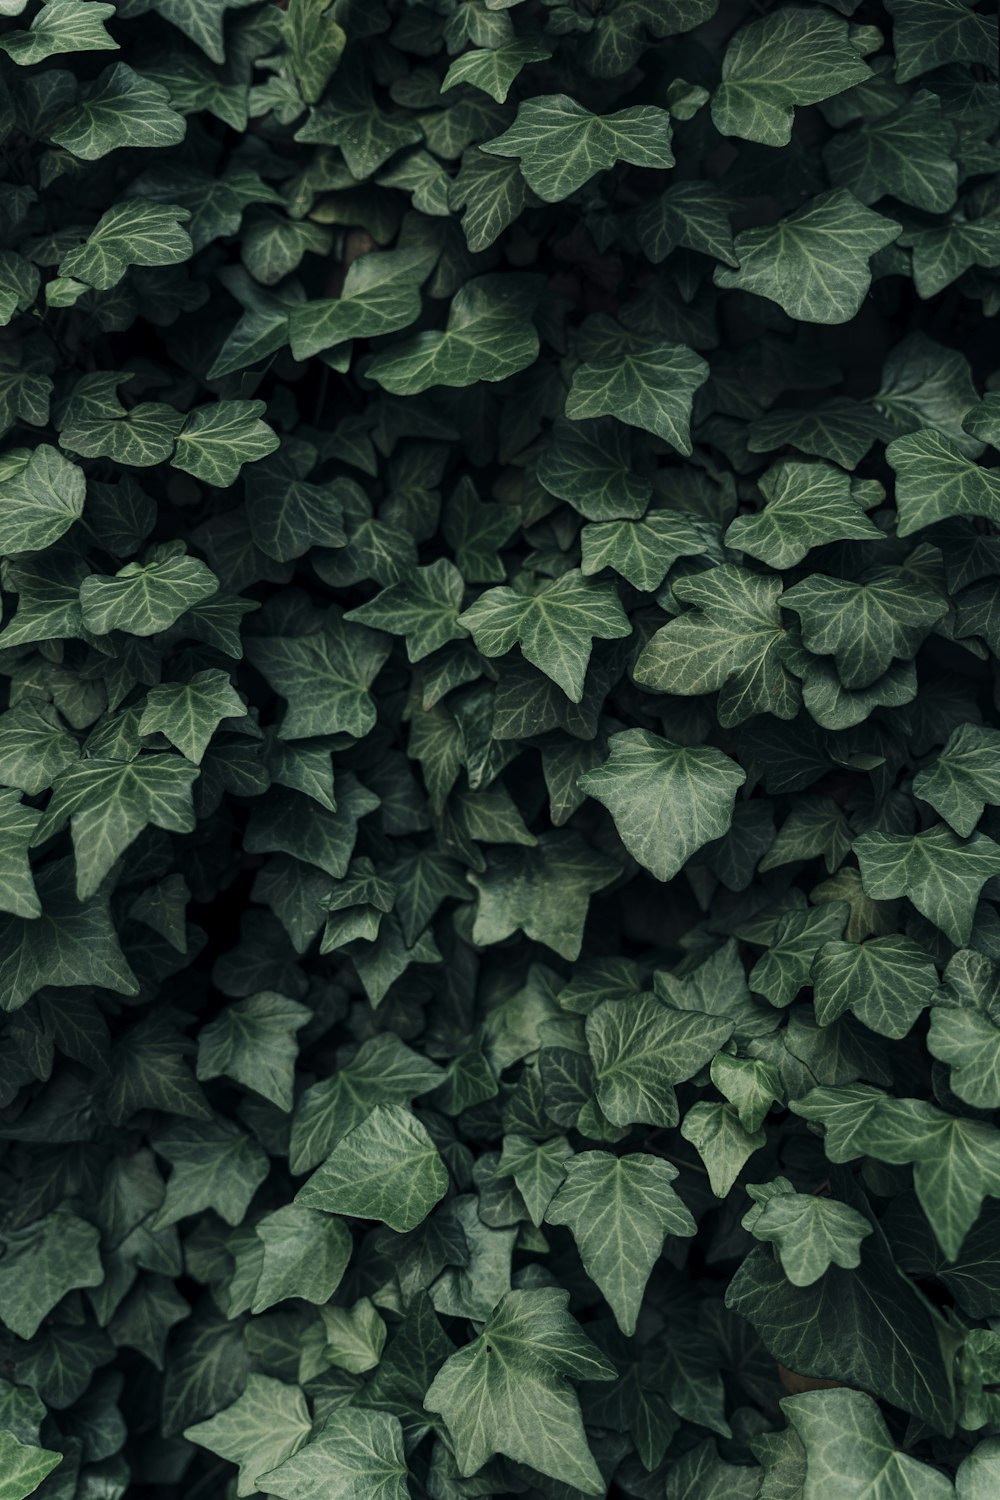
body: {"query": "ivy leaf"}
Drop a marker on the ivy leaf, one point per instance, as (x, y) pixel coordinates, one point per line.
(492, 192)
(305, 1255)
(24, 1465)
(493, 69)
(424, 607)
(944, 31)
(646, 384)
(908, 154)
(381, 294)
(217, 440)
(941, 874)
(542, 891)
(667, 800)
(964, 777)
(561, 145)
(969, 1042)
(263, 1427)
(72, 943)
(109, 802)
(839, 429)
(348, 117)
(253, 1042)
(17, 828)
(386, 1168)
(811, 1233)
(135, 233)
(508, 1392)
(886, 982)
(793, 56)
(355, 1454)
(807, 506)
(724, 1145)
(620, 1210)
(61, 26)
(555, 627)
(864, 626)
(693, 215)
(732, 642)
(201, 20)
(640, 1048)
(593, 467)
(935, 480)
(324, 676)
(215, 1165)
(847, 1443)
(314, 44)
(144, 599)
(34, 747)
(287, 515)
(189, 713)
(120, 108)
(489, 336)
(41, 495)
(643, 552)
(814, 264)
(43, 1262)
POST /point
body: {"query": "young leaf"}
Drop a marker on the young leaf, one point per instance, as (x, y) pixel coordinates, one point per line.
(386, 1168)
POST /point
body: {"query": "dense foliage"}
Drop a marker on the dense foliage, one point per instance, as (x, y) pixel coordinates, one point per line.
(500, 831)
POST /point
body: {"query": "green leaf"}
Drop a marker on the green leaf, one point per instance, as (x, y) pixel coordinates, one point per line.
(807, 506)
(424, 607)
(349, 118)
(886, 982)
(647, 384)
(135, 233)
(34, 747)
(839, 429)
(41, 1264)
(938, 872)
(142, 600)
(17, 828)
(848, 1445)
(814, 264)
(108, 803)
(253, 1042)
(810, 1232)
(643, 552)
(263, 1427)
(381, 294)
(906, 154)
(620, 1210)
(721, 1141)
(324, 676)
(314, 42)
(942, 31)
(61, 26)
(935, 480)
(305, 1255)
(201, 20)
(555, 626)
(215, 1165)
(189, 713)
(667, 800)
(489, 336)
(732, 642)
(41, 495)
(217, 440)
(593, 466)
(120, 108)
(640, 1048)
(864, 626)
(508, 1391)
(356, 1455)
(493, 69)
(24, 1465)
(560, 145)
(793, 56)
(956, 1162)
(543, 891)
(386, 1168)
(693, 215)
(963, 778)
(382, 1071)
(969, 1043)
